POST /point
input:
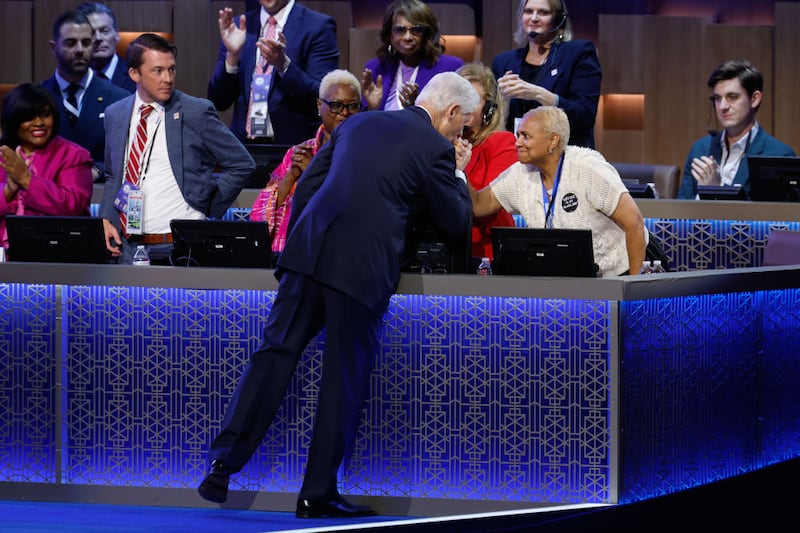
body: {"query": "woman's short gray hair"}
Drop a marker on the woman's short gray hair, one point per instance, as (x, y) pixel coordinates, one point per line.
(339, 76)
(552, 120)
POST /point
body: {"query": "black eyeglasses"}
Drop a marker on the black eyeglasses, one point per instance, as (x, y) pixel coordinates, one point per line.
(338, 107)
(399, 30)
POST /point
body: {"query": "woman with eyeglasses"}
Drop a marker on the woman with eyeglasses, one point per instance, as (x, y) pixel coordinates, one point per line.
(339, 98)
(410, 54)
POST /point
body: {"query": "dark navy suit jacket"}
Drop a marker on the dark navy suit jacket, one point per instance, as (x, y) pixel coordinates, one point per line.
(354, 203)
(313, 50)
(572, 71)
(197, 143)
(120, 77)
(761, 144)
(88, 129)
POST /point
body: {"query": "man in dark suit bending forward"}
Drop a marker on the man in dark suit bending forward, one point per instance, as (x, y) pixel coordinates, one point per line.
(340, 266)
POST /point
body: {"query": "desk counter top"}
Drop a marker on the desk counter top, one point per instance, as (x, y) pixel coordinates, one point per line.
(611, 288)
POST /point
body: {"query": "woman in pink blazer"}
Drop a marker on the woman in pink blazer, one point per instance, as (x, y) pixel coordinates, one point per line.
(41, 173)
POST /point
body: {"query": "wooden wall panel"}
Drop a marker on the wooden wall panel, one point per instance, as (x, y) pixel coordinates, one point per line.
(787, 74)
(499, 23)
(342, 13)
(676, 98)
(17, 40)
(454, 19)
(143, 15)
(621, 50)
(363, 44)
(192, 36)
(622, 146)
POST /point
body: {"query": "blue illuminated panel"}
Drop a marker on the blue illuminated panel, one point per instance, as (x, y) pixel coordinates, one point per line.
(707, 388)
(482, 398)
(27, 383)
(711, 244)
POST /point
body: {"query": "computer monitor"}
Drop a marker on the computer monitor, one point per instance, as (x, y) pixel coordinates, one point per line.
(430, 250)
(543, 252)
(639, 190)
(56, 239)
(221, 243)
(721, 192)
(267, 157)
(774, 178)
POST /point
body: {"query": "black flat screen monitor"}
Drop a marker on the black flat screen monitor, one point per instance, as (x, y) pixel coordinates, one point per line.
(543, 252)
(774, 178)
(639, 190)
(429, 250)
(267, 157)
(56, 239)
(721, 192)
(221, 243)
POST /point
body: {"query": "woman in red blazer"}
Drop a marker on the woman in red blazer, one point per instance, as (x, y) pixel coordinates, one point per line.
(493, 151)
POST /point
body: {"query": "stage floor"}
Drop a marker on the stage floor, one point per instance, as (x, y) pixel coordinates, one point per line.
(53, 517)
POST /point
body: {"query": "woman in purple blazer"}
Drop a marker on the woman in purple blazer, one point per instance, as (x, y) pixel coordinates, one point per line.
(550, 69)
(41, 173)
(410, 54)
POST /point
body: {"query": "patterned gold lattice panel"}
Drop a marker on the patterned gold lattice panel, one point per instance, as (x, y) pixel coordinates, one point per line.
(471, 397)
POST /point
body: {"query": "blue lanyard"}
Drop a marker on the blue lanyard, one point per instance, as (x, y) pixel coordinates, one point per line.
(548, 204)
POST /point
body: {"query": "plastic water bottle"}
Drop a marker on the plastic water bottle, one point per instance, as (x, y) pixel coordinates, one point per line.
(646, 267)
(485, 268)
(658, 268)
(141, 257)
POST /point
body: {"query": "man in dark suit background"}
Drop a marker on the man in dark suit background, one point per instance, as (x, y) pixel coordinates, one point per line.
(80, 95)
(341, 264)
(191, 165)
(303, 50)
(105, 61)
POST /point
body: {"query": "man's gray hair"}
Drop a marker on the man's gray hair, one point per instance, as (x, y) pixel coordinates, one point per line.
(339, 76)
(446, 89)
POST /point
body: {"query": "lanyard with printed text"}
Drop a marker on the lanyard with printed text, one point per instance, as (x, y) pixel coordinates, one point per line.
(548, 203)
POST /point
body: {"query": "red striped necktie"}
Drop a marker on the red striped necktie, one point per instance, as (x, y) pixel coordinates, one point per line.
(134, 167)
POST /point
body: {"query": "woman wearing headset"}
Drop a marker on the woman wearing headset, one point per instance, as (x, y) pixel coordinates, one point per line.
(550, 69)
(493, 151)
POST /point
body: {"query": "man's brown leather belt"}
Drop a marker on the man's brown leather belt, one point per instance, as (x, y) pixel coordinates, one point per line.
(151, 238)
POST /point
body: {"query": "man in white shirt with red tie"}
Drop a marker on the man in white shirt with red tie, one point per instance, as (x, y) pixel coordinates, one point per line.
(162, 151)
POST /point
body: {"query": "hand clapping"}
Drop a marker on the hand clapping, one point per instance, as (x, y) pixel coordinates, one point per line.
(232, 36)
(274, 51)
(408, 93)
(16, 168)
(372, 90)
(301, 157)
(706, 171)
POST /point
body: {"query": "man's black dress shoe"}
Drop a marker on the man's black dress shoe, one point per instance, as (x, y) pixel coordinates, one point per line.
(214, 487)
(336, 507)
